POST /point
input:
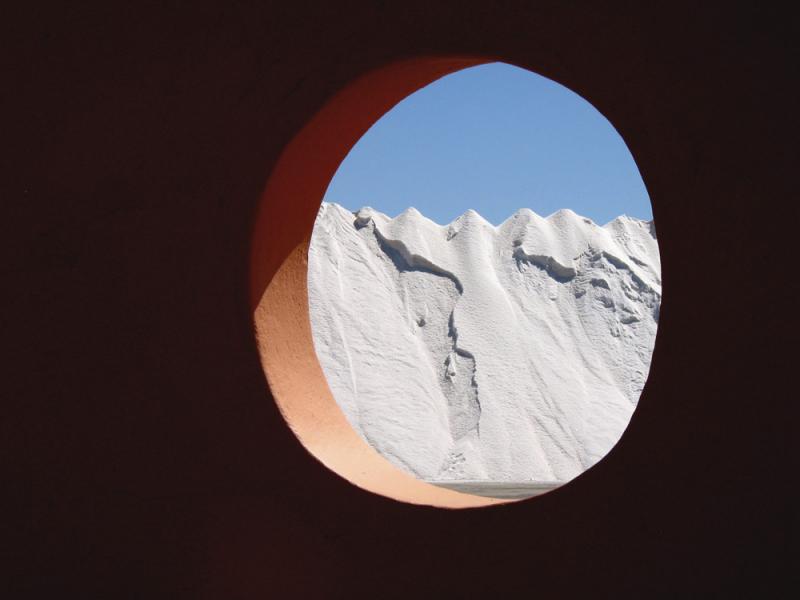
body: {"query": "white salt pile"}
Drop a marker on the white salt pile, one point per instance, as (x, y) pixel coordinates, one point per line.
(469, 351)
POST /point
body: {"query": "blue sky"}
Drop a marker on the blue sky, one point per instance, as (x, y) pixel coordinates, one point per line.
(494, 138)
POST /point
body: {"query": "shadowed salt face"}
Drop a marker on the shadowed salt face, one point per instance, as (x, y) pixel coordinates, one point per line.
(467, 351)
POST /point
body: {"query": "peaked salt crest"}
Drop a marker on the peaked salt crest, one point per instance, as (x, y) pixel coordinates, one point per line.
(409, 213)
(564, 215)
(470, 216)
(364, 215)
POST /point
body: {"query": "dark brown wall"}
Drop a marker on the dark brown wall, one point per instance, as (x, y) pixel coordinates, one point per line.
(147, 457)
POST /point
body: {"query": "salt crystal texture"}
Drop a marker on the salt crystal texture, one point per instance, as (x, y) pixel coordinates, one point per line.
(469, 351)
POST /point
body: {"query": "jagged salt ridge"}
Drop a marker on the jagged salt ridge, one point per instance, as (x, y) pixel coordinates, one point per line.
(469, 351)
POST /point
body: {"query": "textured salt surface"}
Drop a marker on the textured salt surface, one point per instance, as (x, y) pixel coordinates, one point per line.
(473, 352)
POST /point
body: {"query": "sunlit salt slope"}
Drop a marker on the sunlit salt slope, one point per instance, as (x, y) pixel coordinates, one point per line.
(469, 351)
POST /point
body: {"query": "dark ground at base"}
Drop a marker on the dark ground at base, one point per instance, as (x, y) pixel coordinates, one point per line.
(513, 490)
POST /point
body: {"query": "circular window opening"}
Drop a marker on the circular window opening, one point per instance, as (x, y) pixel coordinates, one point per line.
(478, 326)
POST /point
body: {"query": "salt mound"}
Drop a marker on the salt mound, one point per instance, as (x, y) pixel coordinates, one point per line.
(468, 351)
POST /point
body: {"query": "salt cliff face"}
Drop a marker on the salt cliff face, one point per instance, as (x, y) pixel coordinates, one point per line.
(469, 351)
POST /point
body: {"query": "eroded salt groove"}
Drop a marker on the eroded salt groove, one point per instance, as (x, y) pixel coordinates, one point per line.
(468, 351)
